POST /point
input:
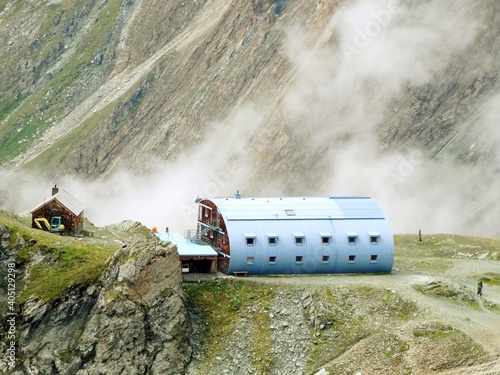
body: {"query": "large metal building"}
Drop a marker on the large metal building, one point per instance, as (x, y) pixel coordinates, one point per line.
(297, 235)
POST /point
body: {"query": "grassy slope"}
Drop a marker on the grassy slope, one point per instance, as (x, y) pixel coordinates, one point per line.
(68, 261)
(32, 115)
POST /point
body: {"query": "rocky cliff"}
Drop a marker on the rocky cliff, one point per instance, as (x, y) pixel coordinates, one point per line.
(131, 318)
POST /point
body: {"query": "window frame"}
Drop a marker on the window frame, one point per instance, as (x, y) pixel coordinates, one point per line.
(299, 238)
(325, 238)
(374, 238)
(352, 238)
(274, 237)
(250, 239)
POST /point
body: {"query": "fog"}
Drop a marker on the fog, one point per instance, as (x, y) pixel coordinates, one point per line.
(382, 47)
(379, 48)
(162, 198)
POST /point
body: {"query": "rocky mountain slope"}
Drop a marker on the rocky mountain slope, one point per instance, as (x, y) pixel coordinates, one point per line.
(90, 306)
(78, 310)
(392, 99)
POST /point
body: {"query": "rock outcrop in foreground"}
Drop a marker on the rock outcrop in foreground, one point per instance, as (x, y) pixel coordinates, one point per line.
(132, 321)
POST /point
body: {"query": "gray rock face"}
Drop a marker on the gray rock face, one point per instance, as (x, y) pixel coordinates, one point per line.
(134, 321)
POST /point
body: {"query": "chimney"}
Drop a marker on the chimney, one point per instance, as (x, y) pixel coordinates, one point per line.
(55, 190)
(237, 195)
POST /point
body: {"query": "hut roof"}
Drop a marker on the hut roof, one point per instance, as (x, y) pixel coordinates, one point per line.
(67, 200)
(185, 247)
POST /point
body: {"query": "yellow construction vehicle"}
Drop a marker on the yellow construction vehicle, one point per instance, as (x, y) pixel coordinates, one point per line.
(55, 224)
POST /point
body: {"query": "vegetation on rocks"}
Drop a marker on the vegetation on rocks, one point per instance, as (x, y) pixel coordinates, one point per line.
(82, 309)
(54, 263)
(223, 306)
(415, 319)
(401, 322)
(454, 347)
(65, 51)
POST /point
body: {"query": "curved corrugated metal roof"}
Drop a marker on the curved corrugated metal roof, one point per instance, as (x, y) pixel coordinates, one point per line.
(310, 235)
(293, 208)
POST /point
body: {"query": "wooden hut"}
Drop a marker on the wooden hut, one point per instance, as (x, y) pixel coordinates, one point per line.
(60, 204)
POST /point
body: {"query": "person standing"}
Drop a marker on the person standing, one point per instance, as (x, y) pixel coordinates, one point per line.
(480, 288)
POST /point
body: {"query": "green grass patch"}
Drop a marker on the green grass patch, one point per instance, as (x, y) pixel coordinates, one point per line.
(3, 3)
(47, 159)
(448, 292)
(381, 351)
(167, 292)
(69, 261)
(8, 105)
(65, 145)
(443, 245)
(454, 347)
(262, 343)
(344, 327)
(436, 329)
(438, 265)
(74, 264)
(223, 306)
(491, 278)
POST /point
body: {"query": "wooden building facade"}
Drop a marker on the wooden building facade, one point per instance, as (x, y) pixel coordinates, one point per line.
(64, 205)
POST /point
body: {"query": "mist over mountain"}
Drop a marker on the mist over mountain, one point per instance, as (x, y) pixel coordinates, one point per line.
(137, 107)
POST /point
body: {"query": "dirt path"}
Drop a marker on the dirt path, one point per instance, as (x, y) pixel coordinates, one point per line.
(482, 325)
(123, 81)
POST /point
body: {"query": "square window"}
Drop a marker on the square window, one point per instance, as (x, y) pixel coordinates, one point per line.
(352, 258)
(299, 238)
(298, 259)
(373, 258)
(250, 260)
(325, 240)
(373, 239)
(272, 240)
(326, 258)
(352, 238)
(272, 260)
(250, 241)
